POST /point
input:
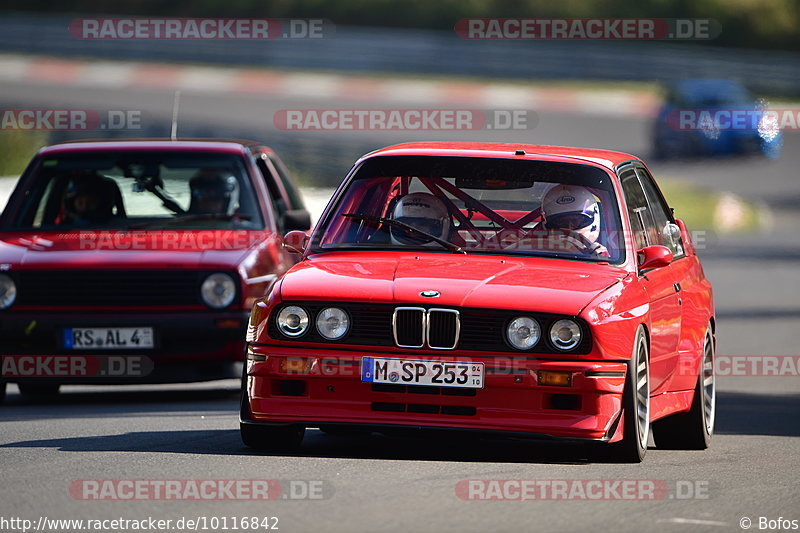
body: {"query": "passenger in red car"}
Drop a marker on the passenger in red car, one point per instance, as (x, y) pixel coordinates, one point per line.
(213, 192)
(574, 210)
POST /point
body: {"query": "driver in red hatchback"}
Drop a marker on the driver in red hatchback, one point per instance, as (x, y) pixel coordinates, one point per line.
(574, 210)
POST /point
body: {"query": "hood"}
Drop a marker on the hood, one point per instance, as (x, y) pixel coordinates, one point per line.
(141, 249)
(531, 284)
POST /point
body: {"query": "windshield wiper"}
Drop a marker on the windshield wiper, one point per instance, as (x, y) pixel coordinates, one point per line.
(190, 218)
(402, 225)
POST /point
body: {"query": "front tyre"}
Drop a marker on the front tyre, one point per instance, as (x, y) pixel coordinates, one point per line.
(269, 438)
(635, 405)
(693, 430)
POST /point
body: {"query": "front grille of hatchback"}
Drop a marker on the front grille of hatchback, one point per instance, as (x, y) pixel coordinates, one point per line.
(98, 288)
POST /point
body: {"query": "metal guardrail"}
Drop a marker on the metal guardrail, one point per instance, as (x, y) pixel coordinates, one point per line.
(430, 52)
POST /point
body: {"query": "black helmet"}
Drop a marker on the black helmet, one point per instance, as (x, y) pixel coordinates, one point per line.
(102, 193)
(214, 185)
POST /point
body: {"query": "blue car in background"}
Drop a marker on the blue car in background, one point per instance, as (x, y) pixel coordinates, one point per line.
(709, 117)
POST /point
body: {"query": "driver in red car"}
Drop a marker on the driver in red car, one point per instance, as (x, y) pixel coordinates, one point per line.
(90, 199)
(574, 211)
(422, 211)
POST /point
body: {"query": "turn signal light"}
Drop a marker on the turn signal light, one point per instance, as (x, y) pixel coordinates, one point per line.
(555, 379)
(296, 365)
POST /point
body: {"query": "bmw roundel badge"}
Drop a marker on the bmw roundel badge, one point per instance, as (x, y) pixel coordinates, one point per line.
(429, 294)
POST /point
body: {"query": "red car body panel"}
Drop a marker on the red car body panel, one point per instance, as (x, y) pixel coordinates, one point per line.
(482, 281)
(614, 300)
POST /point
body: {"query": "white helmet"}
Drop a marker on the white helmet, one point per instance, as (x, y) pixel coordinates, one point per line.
(424, 212)
(574, 208)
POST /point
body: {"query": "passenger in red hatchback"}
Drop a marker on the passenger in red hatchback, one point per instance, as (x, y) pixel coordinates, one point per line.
(575, 211)
(214, 192)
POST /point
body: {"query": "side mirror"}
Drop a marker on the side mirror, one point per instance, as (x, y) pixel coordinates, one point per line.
(295, 241)
(656, 256)
(296, 219)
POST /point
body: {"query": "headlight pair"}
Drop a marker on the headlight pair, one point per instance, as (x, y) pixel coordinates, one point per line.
(332, 323)
(523, 333)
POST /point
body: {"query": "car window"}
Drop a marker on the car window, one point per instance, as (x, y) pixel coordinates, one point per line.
(642, 223)
(132, 190)
(295, 199)
(667, 233)
(480, 205)
(275, 197)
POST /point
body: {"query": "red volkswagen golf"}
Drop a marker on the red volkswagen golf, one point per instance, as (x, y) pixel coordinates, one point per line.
(138, 261)
(531, 291)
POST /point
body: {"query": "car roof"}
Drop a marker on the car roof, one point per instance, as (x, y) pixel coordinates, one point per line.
(704, 87)
(605, 158)
(160, 144)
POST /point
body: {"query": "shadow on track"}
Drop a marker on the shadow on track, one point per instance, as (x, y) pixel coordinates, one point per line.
(738, 414)
(120, 402)
(317, 444)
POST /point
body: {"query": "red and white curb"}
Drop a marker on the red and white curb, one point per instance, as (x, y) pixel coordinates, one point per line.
(324, 86)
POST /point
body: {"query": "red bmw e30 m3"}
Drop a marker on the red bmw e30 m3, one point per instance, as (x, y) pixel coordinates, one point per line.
(526, 290)
(133, 261)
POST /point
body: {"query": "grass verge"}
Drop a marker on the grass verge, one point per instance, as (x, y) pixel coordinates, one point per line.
(17, 149)
(705, 209)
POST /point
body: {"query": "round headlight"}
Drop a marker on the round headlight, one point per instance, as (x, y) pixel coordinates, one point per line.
(218, 290)
(332, 323)
(293, 321)
(523, 333)
(565, 334)
(8, 291)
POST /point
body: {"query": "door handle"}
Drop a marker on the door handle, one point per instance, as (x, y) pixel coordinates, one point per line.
(677, 287)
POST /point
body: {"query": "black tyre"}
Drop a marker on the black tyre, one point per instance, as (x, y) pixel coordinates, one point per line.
(693, 430)
(635, 406)
(269, 438)
(2, 391)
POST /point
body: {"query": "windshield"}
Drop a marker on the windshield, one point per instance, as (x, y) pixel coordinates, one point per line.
(131, 190)
(475, 205)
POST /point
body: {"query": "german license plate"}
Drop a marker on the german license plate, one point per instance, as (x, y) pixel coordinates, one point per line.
(108, 338)
(420, 372)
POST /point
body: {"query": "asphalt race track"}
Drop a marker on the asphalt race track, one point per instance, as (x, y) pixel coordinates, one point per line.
(408, 483)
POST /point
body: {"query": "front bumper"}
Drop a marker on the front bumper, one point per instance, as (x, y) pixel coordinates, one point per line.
(188, 347)
(512, 400)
